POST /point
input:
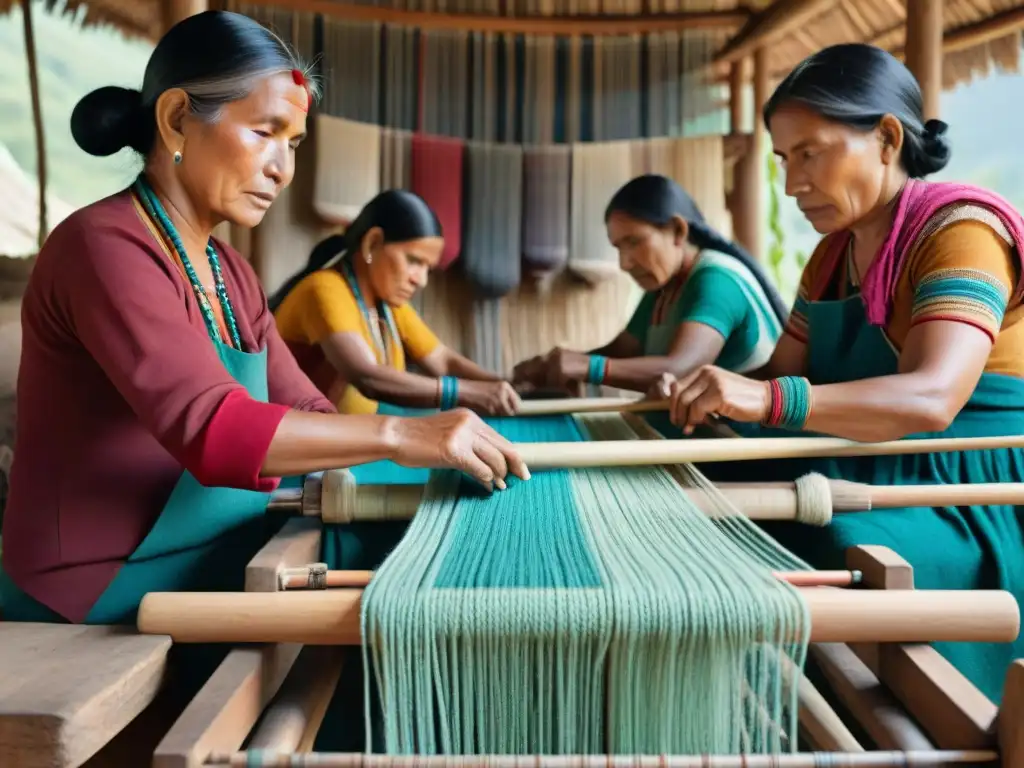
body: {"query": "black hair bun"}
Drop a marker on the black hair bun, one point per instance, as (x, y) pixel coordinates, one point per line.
(107, 120)
(936, 144)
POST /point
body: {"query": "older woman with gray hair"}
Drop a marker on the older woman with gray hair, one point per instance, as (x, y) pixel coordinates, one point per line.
(158, 407)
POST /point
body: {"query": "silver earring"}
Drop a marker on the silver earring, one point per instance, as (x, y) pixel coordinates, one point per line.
(369, 258)
(177, 157)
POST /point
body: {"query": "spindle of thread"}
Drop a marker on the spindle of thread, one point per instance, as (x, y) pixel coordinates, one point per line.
(809, 501)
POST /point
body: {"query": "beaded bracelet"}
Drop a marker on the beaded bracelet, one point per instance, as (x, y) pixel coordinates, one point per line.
(790, 402)
(449, 393)
(597, 369)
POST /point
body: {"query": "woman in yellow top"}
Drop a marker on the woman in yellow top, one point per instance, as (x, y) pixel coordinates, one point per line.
(347, 320)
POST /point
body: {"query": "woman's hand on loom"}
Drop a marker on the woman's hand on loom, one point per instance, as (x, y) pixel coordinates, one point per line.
(458, 439)
(565, 369)
(714, 392)
(494, 398)
(530, 373)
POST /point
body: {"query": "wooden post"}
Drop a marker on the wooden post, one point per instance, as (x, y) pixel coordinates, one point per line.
(924, 51)
(178, 10)
(37, 116)
(749, 174)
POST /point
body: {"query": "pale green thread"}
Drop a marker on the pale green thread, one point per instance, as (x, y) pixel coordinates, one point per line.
(584, 612)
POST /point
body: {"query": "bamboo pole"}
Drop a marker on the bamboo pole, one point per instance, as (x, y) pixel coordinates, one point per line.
(332, 617)
(37, 116)
(316, 576)
(632, 453)
(931, 759)
(813, 500)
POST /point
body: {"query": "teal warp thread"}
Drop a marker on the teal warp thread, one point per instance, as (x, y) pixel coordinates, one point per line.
(583, 612)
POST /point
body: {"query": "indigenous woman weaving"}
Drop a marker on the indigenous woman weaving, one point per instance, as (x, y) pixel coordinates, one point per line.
(347, 319)
(908, 323)
(158, 406)
(705, 299)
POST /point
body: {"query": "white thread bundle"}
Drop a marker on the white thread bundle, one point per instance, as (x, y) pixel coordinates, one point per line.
(598, 170)
(347, 167)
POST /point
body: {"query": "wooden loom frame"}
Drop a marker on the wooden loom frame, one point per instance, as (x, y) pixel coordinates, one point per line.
(905, 697)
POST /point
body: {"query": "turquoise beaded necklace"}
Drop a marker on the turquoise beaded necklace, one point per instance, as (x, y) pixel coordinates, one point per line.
(152, 205)
(350, 277)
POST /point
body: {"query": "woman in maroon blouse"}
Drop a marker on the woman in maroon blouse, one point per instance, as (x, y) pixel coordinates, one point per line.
(158, 406)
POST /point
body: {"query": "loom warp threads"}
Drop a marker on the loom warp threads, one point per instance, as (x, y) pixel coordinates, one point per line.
(583, 612)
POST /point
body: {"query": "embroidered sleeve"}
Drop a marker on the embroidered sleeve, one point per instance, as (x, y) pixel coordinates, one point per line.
(964, 273)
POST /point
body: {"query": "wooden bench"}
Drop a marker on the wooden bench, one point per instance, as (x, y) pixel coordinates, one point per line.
(66, 691)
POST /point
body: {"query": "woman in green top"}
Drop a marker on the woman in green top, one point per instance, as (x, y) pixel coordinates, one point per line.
(705, 301)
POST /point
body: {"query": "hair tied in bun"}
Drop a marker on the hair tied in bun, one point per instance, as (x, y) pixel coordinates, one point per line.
(107, 120)
(933, 129)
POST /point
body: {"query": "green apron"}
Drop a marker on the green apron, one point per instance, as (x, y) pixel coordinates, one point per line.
(202, 540)
(975, 547)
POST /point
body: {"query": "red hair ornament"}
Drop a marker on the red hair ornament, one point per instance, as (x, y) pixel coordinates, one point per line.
(299, 78)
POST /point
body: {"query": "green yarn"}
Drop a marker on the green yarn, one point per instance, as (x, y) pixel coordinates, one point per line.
(583, 612)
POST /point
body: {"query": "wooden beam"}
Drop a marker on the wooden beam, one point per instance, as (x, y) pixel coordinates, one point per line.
(777, 20)
(179, 10)
(558, 26)
(924, 44)
(981, 32)
(957, 39)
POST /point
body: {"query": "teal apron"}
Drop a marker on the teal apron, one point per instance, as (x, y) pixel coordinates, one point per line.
(975, 547)
(202, 540)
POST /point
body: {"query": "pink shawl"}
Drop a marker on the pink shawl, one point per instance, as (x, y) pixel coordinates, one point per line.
(919, 201)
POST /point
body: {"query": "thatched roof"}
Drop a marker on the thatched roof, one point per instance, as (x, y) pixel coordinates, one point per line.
(981, 34)
(978, 35)
(134, 18)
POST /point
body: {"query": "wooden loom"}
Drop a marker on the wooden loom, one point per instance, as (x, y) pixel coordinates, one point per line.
(870, 643)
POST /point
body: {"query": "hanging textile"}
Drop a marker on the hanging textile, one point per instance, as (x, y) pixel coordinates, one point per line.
(347, 168)
(490, 257)
(395, 159)
(547, 175)
(352, 55)
(598, 170)
(436, 176)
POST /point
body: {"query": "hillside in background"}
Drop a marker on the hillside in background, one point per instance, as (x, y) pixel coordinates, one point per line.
(984, 120)
(72, 62)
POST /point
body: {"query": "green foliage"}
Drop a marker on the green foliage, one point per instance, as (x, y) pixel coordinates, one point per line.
(72, 62)
(783, 265)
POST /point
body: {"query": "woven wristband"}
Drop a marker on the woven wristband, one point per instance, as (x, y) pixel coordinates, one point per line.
(597, 369)
(790, 403)
(449, 393)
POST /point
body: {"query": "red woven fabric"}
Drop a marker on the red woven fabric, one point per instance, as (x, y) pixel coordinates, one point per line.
(437, 178)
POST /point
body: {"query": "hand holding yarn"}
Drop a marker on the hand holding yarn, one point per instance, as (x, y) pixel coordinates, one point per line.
(494, 398)
(457, 439)
(710, 391)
